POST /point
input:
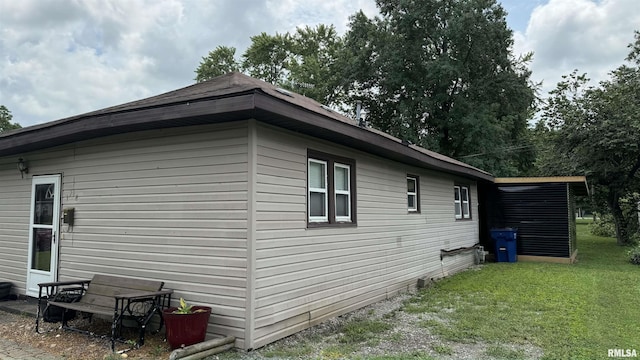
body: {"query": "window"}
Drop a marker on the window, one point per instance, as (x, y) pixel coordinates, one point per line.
(343, 192)
(318, 190)
(413, 200)
(461, 202)
(331, 190)
(465, 202)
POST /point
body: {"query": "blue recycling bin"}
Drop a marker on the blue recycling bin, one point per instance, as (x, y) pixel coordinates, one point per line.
(505, 242)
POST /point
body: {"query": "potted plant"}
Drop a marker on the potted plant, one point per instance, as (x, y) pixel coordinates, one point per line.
(186, 325)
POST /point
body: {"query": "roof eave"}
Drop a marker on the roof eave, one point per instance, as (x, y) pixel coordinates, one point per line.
(280, 113)
(246, 104)
(578, 183)
(73, 129)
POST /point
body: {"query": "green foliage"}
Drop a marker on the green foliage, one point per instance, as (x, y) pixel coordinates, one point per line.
(158, 351)
(307, 62)
(5, 120)
(585, 135)
(362, 330)
(504, 353)
(337, 352)
(603, 226)
(442, 349)
(442, 75)
(634, 255)
(437, 74)
(185, 308)
(268, 57)
(219, 62)
(317, 57)
(569, 311)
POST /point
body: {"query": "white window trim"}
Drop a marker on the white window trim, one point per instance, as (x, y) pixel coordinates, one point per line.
(465, 203)
(343, 192)
(325, 217)
(456, 190)
(414, 194)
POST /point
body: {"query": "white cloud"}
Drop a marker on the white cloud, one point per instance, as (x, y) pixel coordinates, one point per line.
(61, 58)
(578, 34)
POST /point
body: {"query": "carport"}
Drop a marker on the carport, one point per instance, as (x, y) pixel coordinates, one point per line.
(541, 208)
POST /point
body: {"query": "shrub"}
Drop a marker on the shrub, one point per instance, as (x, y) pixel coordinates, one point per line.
(603, 226)
(634, 255)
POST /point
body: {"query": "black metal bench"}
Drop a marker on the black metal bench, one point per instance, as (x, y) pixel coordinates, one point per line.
(114, 297)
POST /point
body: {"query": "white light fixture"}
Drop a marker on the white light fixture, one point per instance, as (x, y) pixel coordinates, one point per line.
(22, 167)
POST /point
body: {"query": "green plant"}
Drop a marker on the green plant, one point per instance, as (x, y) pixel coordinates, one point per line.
(185, 308)
(363, 330)
(566, 311)
(634, 239)
(336, 352)
(501, 352)
(634, 255)
(131, 342)
(603, 226)
(442, 349)
(158, 350)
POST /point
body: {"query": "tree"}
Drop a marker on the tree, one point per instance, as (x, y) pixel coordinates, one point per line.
(5, 120)
(219, 62)
(306, 62)
(314, 67)
(437, 73)
(269, 57)
(595, 131)
(440, 74)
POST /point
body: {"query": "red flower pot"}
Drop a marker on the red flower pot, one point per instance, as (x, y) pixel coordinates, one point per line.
(186, 329)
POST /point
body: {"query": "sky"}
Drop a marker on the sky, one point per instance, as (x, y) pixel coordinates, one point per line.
(60, 58)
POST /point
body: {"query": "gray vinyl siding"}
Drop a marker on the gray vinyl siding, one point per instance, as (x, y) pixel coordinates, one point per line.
(180, 205)
(305, 276)
(15, 195)
(166, 204)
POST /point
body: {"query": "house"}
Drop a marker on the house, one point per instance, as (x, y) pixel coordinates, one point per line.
(270, 208)
(543, 211)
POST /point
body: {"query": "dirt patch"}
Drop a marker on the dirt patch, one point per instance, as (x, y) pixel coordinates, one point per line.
(76, 346)
(406, 336)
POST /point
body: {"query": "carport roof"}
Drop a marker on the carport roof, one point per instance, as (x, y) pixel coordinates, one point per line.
(577, 183)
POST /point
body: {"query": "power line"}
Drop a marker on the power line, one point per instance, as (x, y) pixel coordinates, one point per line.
(509, 148)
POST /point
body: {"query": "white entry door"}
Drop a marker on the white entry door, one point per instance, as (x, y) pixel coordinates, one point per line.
(43, 232)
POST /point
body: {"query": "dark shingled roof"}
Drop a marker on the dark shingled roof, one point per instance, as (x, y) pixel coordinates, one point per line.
(230, 97)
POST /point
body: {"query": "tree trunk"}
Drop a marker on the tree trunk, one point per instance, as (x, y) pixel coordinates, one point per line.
(618, 218)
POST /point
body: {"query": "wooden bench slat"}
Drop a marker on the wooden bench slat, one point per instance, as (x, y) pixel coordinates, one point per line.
(100, 310)
(98, 300)
(127, 283)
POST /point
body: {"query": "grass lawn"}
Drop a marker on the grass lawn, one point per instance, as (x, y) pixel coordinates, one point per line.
(513, 311)
(574, 311)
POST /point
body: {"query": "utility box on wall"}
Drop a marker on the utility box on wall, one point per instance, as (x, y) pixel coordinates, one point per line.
(68, 215)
